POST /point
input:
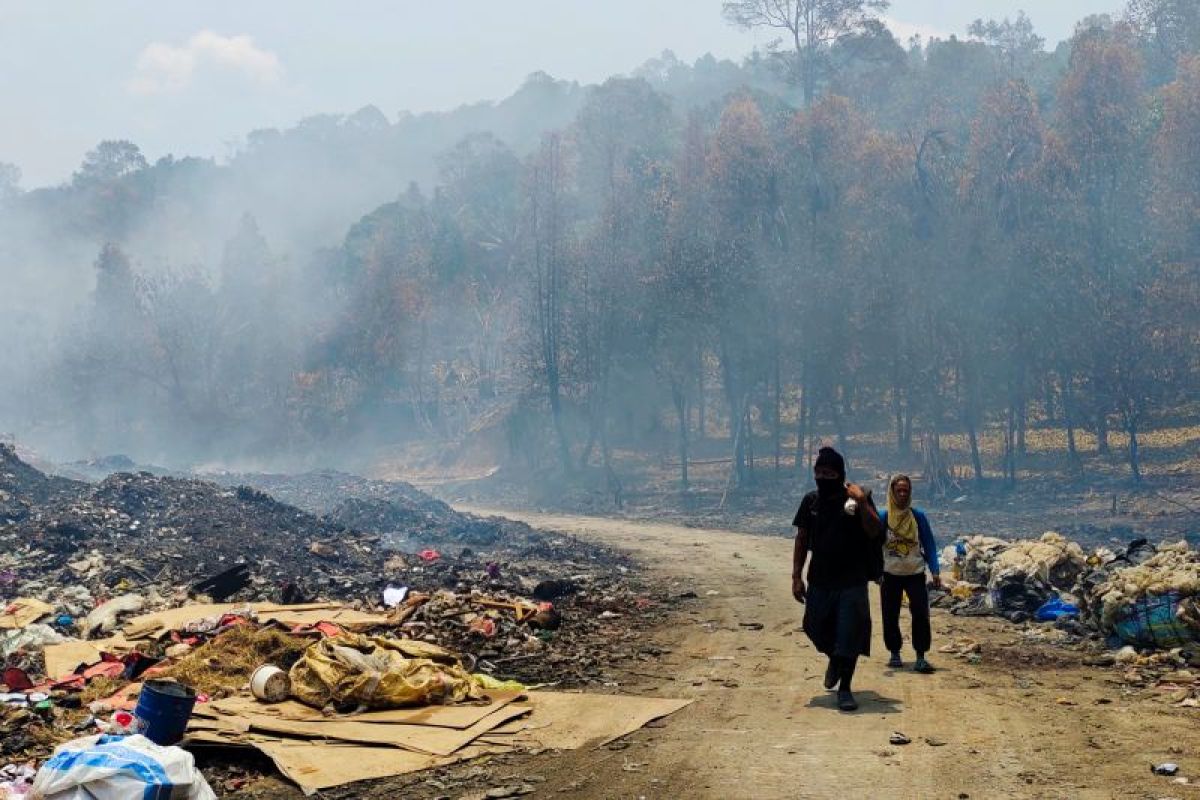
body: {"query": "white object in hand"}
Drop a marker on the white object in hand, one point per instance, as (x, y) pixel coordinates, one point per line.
(851, 507)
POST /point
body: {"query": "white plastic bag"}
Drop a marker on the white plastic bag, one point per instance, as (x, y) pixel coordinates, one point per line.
(119, 768)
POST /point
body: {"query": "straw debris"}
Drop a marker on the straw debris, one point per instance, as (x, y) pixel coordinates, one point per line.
(223, 665)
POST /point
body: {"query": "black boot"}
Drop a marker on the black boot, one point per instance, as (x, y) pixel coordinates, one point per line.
(845, 698)
(832, 673)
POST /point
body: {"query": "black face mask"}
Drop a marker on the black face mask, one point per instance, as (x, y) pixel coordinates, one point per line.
(830, 487)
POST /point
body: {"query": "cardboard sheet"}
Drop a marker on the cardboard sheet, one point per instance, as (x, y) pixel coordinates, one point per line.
(459, 716)
(314, 766)
(567, 721)
(417, 738)
(62, 659)
(154, 625)
(310, 754)
(345, 617)
(23, 612)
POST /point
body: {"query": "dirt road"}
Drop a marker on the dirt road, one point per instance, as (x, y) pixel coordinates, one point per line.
(763, 727)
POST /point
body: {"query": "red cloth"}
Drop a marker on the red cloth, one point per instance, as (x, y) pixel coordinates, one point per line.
(16, 680)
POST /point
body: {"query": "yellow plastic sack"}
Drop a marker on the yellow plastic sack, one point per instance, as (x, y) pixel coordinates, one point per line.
(380, 673)
(496, 685)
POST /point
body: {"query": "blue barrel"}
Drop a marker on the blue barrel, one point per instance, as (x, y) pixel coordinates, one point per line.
(163, 710)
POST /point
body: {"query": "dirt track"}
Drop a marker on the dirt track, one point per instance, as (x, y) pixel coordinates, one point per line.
(763, 727)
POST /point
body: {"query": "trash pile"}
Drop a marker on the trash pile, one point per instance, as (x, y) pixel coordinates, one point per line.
(137, 541)
(152, 538)
(1148, 597)
(23, 487)
(107, 589)
(1014, 580)
(384, 506)
(1142, 596)
(330, 693)
(1135, 610)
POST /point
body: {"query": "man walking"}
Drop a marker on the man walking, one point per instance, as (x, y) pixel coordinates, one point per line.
(839, 526)
(908, 550)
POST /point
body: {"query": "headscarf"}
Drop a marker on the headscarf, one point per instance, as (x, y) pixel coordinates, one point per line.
(900, 521)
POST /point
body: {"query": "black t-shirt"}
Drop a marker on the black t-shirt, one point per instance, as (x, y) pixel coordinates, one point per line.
(839, 547)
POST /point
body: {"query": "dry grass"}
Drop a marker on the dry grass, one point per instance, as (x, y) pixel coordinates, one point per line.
(223, 665)
(101, 688)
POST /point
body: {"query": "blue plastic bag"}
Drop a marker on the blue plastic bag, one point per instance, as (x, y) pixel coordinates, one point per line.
(1055, 609)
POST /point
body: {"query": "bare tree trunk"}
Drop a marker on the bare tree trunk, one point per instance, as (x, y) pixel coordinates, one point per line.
(848, 401)
(1068, 409)
(1022, 424)
(936, 474)
(735, 472)
(1010, 446)
(737, 402)
(1102, 434)
(810, 76)
(615, 487)
(564, 452)
(1131, 427)
(970, 415)
(681, 411)
(701, 405)
(801, 426)
(777, 410)
(838, 423)
(585, 457)
(976, 462)
(748, 421)
(547, 261)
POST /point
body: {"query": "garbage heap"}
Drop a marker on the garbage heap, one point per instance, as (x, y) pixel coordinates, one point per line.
(23, 487)
(105, 586)
(1142, 595)
(385, 506)
(1149, 597)
(331, 694)
(152, 541)
(84, 557)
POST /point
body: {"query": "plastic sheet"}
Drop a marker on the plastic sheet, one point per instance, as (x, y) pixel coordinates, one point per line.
(119, 768)
(380, 673)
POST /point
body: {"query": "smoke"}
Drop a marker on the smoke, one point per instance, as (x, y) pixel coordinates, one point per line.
(239, 276)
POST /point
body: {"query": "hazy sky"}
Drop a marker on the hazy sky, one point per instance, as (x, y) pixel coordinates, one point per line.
(192, 78)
